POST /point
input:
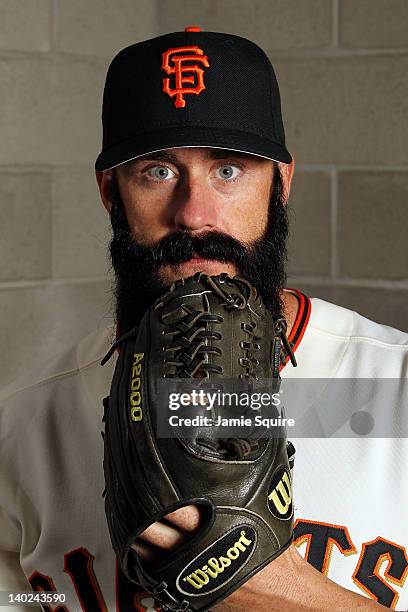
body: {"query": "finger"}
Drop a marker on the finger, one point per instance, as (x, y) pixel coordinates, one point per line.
(162, 535)
(147, 552)
(188, 518)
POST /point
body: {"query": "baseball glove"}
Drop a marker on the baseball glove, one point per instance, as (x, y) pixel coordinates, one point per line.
(204, 329)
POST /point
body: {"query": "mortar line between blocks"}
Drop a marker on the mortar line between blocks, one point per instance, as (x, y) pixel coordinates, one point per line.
(334, 260)
(44, 283)
(335, 23)
(54, 25)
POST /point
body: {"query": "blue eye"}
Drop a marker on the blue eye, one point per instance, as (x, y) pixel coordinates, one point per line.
(160, 173)
(228, 172)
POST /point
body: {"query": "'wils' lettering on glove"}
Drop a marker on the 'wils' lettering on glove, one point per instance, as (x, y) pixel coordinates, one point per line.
(204, 327)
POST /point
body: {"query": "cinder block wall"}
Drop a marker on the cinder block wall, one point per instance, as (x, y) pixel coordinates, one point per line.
(342, 67)
(54, 283)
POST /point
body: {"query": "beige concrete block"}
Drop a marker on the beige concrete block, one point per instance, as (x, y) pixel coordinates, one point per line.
(309, 208)
(25, 26)
(43, 321)
(373, 217)
(81, 226)
(100, 27)
(51, 113)
(374, 23)
(25, 228)
(25, 111)
(380, 305)
(348, 110)
(281, 24)
(77, 108)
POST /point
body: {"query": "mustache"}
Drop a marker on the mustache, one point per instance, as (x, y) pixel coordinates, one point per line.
(180, 247)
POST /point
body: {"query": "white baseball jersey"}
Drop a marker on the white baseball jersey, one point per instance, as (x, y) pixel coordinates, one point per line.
(350, 493)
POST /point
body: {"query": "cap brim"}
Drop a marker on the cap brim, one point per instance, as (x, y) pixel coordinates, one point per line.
(170, 138)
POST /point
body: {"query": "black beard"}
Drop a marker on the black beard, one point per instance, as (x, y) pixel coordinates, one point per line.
(137, 282)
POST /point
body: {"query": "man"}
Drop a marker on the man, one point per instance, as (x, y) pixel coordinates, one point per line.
(195, 175)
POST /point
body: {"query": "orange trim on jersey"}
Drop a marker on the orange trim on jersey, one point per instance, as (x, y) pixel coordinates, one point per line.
(330, 542)
(301, 540)
(300, 520)
(301, 321)
(380, 561)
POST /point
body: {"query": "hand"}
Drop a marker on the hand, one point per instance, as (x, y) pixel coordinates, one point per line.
(287, 584)
(168, 534)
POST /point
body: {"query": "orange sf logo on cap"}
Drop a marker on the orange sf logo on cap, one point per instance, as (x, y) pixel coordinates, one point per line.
(184, 73)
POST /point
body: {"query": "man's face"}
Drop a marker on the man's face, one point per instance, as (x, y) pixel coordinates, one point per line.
(185, 210)
(197, 190)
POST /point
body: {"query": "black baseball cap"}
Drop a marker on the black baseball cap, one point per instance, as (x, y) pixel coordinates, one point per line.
(191, 89)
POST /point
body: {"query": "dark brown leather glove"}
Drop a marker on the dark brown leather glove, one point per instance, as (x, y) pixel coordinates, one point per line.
(204, 329)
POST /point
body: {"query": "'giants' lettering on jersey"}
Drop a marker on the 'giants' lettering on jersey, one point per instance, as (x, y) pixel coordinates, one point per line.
(320, 539)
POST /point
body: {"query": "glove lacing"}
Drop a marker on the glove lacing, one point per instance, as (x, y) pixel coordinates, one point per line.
(188, 349)
(188, 333)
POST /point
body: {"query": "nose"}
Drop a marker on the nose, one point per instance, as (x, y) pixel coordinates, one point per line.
(196, 209)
